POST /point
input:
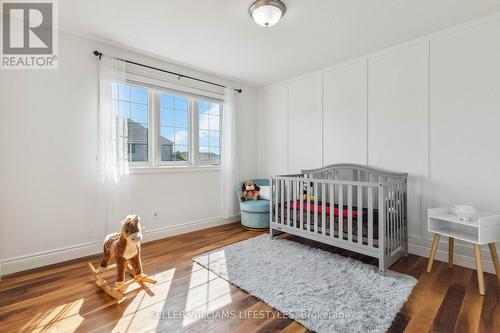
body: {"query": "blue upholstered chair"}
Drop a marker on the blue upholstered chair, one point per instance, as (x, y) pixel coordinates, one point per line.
(254, 213)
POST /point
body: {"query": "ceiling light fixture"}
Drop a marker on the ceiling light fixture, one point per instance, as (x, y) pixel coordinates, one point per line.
(267, 13)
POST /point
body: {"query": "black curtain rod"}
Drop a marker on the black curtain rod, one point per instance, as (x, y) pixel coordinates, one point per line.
(99, 54)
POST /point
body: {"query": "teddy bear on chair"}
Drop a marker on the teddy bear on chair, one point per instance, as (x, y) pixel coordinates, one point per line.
(250, 191)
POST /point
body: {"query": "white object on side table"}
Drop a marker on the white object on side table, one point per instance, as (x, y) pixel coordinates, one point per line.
(482, 229)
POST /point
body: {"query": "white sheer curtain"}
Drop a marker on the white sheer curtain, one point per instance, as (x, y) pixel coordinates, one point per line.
(229, 161)
(112, 143)
(113, 159)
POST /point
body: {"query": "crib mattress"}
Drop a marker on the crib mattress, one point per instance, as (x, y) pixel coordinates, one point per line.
(345, 219)
(336, 210)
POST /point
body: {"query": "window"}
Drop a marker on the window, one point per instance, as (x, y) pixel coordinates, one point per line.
(133, 104)
(174, 128)
(209, 131)
(166, 129)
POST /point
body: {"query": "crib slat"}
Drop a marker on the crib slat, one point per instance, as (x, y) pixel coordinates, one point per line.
(395, 217)
(403, 221)
(349, 213)
(287, 183)
(391, 218)
(396, 213)
(404, 216)
(400, 213)
(315, 193)
(308, 204)
(282, 194)
(271, 201)
(387, 221)
(398, 203)
(294, 198)
(301, 196)
(381, 221)
(341, 211)
(323, 209)
(360, 214)
(388, 218)
(370, 216)
(332, 210)
(276, 199)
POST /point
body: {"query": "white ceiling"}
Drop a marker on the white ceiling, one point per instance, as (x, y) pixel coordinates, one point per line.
(219, 36)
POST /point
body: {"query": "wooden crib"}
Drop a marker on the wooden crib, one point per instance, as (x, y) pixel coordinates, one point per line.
(350, 206)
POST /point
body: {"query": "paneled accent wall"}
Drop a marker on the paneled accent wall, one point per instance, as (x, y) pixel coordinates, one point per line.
(344, 98)
(273, 128)
(397, 119)
(429, 107)
(304, 123)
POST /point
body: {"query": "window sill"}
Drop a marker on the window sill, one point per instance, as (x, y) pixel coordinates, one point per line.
(173, 169)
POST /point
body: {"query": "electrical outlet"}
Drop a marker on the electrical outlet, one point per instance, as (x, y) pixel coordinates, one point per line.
(156, 214)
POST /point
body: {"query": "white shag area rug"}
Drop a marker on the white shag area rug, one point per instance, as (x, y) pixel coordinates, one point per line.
(323, 291)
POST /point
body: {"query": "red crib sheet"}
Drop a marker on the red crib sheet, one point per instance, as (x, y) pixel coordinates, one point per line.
(345, 211)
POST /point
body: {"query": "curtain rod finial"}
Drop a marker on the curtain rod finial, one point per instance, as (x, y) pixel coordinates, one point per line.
(97, 54)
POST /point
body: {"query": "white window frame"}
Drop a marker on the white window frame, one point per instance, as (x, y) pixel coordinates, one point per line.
(154, 163)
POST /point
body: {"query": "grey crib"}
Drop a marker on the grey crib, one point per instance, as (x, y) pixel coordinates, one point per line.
(350, 206)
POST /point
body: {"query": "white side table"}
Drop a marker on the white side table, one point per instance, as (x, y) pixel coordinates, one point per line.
(484, 229)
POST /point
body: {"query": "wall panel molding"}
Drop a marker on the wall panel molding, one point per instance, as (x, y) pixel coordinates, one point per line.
(421, 87)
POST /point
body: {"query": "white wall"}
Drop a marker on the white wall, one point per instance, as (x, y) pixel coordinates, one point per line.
(429, 107)
(247, 123)
(48, 172)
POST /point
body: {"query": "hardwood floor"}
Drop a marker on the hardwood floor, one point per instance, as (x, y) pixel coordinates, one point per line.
(64, 298)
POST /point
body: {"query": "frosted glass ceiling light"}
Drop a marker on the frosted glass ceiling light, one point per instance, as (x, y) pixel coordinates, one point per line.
(267, 13)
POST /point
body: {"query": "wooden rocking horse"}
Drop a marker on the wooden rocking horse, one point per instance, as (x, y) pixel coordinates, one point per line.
(125, 249)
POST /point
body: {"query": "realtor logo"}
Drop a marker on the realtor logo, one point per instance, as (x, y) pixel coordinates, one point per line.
(29, 35)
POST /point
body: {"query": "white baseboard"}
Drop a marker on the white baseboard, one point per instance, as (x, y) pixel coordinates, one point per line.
(460, 257)
(159, 233)
(35, 260)
(39, 259)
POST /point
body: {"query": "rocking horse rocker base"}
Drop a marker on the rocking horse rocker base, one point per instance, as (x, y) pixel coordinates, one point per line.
(119, 293)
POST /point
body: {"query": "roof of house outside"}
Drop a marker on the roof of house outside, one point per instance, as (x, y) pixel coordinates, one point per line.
(137, 133)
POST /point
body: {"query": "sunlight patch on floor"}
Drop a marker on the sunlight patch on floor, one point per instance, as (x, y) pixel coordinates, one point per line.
(67, 317)
(64, 317)
(142, 308)
(207, 292)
